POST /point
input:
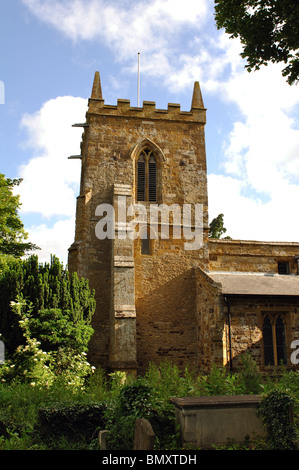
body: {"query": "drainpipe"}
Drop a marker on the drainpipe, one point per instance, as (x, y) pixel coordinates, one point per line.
(229, 334)
(297, 260)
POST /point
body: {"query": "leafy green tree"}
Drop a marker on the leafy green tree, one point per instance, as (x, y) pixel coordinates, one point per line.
(59, 305)
(216, 227)
(268, 30)
(12, 233)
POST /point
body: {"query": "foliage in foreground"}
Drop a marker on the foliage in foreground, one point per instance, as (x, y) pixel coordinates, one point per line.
(31, 364)
(275, 410)
(56, 305)
(68, 414)
(54, 399)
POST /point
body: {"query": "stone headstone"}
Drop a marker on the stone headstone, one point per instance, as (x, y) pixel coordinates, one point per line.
(103, 439)
(144, 436)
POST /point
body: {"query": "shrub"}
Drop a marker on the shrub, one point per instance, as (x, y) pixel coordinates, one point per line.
(69, 422)
(169, 381)
(134, 401)
(30, 364)
(275, 409)
(219, 382)
(249, 375)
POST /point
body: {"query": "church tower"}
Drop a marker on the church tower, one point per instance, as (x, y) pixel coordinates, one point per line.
(141, 226)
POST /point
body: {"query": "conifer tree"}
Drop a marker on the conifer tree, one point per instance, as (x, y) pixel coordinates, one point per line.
(216, 227)
(60, 305)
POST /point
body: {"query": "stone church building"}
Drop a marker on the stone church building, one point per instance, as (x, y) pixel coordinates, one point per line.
(156, 299)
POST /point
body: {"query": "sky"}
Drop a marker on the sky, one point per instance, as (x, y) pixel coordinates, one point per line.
(49, 52)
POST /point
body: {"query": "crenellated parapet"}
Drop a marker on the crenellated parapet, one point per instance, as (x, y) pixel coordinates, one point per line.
(148, 110)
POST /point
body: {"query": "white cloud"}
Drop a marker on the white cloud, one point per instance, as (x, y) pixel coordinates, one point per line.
(149, 25)
(49, 178)
(263, 148)
(51, 181)
(260, 155)
(163, 31)
(178, 40)
(209, 57)
(178, 43)
(53, 240)
(249, 218)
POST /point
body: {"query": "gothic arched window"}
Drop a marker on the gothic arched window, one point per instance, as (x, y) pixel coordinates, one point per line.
(274, 338)
(146, 176)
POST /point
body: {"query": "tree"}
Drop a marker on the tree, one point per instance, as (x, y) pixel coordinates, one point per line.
(12, 233)
(59, 305)
(216, 227)
(268, 30)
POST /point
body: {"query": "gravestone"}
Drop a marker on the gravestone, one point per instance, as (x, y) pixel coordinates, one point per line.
(144, 436)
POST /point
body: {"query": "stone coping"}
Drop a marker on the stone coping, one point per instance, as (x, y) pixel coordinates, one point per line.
(220, 401)
(224, 241)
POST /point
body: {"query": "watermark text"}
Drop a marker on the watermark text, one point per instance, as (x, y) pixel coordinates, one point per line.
(2, 92)
(295, 354)
(154, 221)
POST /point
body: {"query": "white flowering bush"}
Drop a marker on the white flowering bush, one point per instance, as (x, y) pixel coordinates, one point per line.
(71, 368)
(30, 364)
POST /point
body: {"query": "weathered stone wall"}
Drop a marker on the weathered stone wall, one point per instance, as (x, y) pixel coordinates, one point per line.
(166, 314)
(247, 325)
(211, 323)
(112, 137)
(251, 256)
(161, 305)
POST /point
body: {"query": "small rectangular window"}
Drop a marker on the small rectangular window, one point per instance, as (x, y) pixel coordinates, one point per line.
(283, 267)
(145, 246)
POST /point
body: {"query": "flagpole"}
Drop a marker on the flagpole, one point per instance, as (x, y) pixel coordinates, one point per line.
(138, 80)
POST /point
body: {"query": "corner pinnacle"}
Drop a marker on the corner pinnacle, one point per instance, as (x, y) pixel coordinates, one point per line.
(97, 89)
(197, 101)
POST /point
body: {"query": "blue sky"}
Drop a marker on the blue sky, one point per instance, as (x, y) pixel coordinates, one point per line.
(50, 50)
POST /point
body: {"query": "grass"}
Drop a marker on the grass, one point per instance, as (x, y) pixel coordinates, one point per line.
(20, 403)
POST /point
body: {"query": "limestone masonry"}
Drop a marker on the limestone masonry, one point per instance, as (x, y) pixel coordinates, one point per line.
(157, 300)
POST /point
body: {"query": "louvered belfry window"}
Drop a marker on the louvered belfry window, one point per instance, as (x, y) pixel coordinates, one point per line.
(141, 181)
(152, 179)
(146, 176)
